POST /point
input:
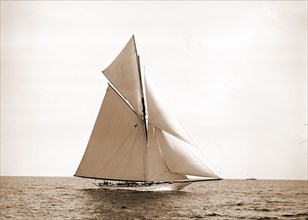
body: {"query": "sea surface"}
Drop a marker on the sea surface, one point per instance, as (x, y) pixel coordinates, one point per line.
(76, 198)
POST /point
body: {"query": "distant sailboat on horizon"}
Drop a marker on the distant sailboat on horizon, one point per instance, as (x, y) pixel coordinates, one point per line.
(136, 142)
(251, 178)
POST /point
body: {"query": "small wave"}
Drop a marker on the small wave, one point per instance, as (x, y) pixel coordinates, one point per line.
(266, 218)
(262, 209)
(212, 214)
(90, 189)
(196, 216)
(296, 215)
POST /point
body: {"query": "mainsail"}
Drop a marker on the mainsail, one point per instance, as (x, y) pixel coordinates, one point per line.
(135, 136)
(116, 146)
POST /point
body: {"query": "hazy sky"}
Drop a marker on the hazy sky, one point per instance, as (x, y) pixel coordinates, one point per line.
(233, 73)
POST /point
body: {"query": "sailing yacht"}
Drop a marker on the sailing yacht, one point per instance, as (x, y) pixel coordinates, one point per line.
(136, 142)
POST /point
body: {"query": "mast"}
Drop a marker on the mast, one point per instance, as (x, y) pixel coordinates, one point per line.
(144, 114)
(143, 108)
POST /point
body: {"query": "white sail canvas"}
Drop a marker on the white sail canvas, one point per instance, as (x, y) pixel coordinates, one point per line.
(135, 136)
(116, 146)
(157, 167)
(182, 157)
(123, 74)
(160, 115)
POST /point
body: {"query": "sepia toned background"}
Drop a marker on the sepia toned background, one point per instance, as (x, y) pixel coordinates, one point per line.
(233, 73)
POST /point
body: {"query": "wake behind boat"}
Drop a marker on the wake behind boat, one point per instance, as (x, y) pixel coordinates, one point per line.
(136, 142)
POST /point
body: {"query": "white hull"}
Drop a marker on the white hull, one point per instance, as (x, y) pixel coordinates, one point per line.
(154, 187)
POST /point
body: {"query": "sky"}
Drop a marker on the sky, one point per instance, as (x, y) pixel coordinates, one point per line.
(234, 73)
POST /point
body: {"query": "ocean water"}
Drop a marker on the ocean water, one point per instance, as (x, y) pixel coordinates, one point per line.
(76, 198)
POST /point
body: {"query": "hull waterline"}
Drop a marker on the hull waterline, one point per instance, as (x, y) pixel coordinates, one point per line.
(154, 187)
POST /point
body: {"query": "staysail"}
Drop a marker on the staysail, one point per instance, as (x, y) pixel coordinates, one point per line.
(135, 136)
